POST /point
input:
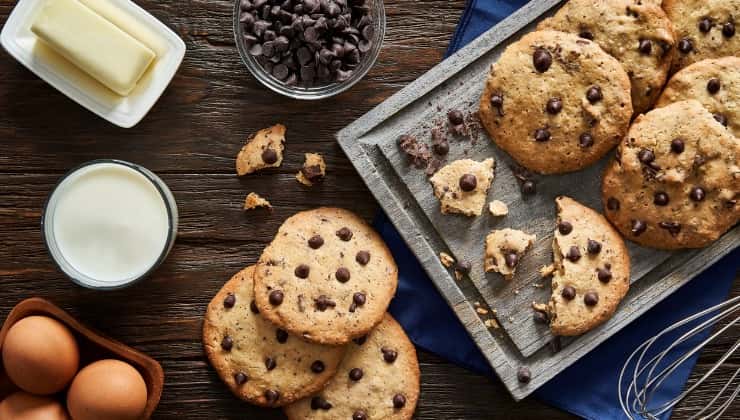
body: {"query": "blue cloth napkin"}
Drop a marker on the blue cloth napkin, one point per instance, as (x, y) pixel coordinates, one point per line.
(589, 387)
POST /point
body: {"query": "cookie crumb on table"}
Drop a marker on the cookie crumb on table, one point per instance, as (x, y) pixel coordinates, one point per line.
(446, 259)
(264, 149)
(254, 201)
(313, 170)
(505, 249)
(498, 208)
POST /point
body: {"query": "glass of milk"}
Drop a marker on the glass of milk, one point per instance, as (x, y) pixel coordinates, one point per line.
(109, 223)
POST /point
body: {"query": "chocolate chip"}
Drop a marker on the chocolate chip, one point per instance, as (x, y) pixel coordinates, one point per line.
(591, 298)
(523, 375)
(342, 274)
(541, 135)
(586, 140)
(646, 156)
(541, 59)
(541, 317)
(355, 374)
(593, 94)
(320, 403)
(362, 257)
(389, 355)
(612, 204)
(281, 335)
(359, 415)
(497, 101)
(463, 267)
(441, 148)
(529, 187)
(316, 241)
(705, 25)
(660, 199)
(638, 227)
(677, 146)
(569, 292)
(253, 307)
(713, 85)
(360, 340)
(721, 119)
(229, 301)
(554, 106)
(302, 271)
(604, 275)
(270, 363)
(586, 35)
(673, 228)
(276, 297)
(240, 378)
(565, 227)
(344, 234)
(685, 45)
(271, 396)
(468, 182)
(269, 156)
(646, 46)
(574, 254)
(728, 29)
(593, 247)
(323, 303)
(317, 366)
(512, 259)
(399, 401)
(697, 194)
(227, 343)
(359, 298)
(455, 117)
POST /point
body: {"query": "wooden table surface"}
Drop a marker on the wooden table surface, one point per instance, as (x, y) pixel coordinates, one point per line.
(190, 138)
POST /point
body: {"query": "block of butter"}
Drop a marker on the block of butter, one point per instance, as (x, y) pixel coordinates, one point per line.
(94, 44)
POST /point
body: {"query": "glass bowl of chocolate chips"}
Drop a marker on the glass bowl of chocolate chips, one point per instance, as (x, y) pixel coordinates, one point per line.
(309, 49)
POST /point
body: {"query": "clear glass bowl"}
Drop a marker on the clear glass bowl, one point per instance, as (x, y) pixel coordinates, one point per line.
(316, 92)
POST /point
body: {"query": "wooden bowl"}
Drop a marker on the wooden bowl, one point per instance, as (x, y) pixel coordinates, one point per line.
(93, 346)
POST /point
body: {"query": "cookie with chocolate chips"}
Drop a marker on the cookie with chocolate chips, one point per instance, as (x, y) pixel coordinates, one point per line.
(264, 149)
(675, 181)
(378, 379)
(704, 29)
(259, 362)
(327, 276)
(313, 170)
(713, 82)
(639, 35)
(556, 102)
(505, 249)
(591, 269)
(462, 186)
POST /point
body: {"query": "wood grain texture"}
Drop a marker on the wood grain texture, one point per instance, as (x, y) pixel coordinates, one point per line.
(190, 139)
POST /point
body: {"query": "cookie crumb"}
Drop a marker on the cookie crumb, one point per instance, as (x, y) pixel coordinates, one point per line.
(540, 307)
(547, 270)
(498, 208)
(313, 170)
(458, 275)
(482, 311)
(492, 323)
(446, 259)
(254, 201)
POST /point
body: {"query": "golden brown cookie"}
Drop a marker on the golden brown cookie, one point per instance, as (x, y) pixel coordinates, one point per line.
(264, 149)
(327, 276)
(378, 379)
(259, 362)
(462, 186)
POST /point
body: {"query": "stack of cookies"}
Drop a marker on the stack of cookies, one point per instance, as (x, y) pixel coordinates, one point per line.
(306, 328)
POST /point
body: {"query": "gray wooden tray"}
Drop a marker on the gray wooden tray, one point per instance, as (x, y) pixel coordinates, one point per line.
(406, 196)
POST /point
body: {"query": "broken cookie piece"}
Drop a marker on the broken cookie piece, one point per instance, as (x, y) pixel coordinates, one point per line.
(417, 152)
(462, 186)
(498, 208)
(591, 269)
(263, 149)
(313, 170)
(254, 201)
(504, 250)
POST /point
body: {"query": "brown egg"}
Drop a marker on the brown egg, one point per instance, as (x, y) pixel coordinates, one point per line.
(107, 389)
(40, 355)
(24, 406)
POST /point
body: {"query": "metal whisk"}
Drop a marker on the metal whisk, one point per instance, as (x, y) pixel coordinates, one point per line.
(647, 368)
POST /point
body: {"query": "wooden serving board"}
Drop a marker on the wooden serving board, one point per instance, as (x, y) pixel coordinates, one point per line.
(406, 195)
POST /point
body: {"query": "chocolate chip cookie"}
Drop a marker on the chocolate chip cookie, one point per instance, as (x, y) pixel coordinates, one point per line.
(704, 29)
(264, 149)
(313, 170)
(556, 102)
(675, 180)
(639, 35)
(327, 276)
(378, 379)
(259, 362)
(591, 269)
(505, 249)
(715, 83)
(462, 186)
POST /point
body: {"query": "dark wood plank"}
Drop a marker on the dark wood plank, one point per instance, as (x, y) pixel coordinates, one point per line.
(190, 138)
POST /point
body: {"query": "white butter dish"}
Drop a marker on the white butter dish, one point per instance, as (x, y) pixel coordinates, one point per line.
(123, 111)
